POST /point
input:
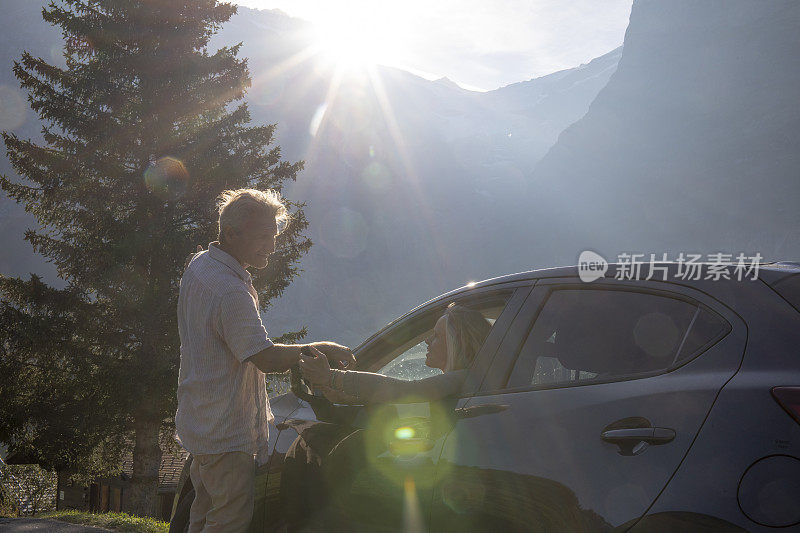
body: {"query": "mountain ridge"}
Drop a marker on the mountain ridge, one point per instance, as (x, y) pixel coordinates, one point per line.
(683, 152)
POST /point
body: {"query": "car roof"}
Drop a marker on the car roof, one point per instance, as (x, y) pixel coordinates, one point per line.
(771, 272)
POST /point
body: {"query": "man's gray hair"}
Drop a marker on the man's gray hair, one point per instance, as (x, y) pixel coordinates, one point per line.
(237, 206)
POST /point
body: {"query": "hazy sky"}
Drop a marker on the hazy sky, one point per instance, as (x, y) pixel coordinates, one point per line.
(477, 43)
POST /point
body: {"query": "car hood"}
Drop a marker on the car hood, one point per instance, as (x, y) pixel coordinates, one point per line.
(283, 406)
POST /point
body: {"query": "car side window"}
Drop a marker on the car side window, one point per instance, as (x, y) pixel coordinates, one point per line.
(410, 365)
(406, 360)
(586, 335)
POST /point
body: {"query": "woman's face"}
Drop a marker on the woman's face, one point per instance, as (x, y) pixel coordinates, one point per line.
(436, 357)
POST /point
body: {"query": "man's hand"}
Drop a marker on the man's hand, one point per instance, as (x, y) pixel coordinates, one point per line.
(338, 355)
(315, 367)
(281, 357)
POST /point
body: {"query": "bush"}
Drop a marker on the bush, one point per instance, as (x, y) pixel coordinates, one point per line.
(27, 489)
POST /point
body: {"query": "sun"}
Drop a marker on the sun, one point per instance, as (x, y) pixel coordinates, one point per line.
(357, 42)
(347, 50)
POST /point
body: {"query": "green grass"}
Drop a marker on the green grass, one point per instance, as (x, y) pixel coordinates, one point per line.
(115, 521)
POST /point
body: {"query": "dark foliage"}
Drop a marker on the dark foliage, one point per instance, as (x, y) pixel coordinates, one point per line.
(143, 128)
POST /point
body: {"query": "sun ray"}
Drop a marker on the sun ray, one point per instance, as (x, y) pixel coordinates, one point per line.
(412, 514)
(327, 104)
(322, 121)
(405, 157)
(291, 61)
(265, 80)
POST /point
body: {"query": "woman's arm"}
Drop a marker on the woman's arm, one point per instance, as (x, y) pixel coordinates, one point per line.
(337, 396)
(367, 387)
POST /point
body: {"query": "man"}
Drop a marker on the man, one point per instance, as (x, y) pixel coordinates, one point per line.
(223, 408)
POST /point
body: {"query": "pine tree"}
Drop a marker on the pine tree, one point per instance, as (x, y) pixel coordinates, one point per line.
(142, 130)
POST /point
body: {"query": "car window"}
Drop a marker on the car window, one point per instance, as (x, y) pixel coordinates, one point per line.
(585, 335)
(410, 365)
(404, 349)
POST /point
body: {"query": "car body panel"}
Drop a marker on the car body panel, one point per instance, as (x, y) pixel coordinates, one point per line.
(746, 424)
(540, 463)
(368, 483)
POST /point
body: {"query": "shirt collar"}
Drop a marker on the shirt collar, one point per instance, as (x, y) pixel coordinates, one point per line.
(228, 260)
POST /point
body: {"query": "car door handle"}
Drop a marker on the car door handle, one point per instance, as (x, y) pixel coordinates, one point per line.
(649, 435)
(633, 441)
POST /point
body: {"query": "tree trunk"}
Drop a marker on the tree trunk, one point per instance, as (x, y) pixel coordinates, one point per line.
(142, 495)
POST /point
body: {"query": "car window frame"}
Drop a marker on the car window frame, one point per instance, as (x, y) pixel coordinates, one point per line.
(498, 376)
(519, 292)
(432, 314)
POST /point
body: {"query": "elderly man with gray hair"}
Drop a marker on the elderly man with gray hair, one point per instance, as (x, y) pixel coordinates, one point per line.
(223, 408)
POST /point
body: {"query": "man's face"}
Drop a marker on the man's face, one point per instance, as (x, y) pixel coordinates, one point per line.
(255, 240)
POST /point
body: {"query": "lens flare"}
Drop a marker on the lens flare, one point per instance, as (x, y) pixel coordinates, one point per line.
(404, 433)
(344, 232)
(377, 176)
(167, 177)
(405, 439)
(316, 120)
(412, 515)
(80, 44)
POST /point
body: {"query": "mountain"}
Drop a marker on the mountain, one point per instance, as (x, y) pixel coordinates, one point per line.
(686, 139)
(405, 177)
(693, 145)
(405, 181)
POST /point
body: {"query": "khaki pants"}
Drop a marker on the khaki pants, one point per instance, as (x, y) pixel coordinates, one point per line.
(223, 492)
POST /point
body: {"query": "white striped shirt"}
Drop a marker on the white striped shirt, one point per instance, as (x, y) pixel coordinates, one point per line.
(222, 398)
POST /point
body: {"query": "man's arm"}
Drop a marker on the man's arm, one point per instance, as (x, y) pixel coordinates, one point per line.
(241, 327)
(282, 357)
(277, 358)
(377, 388)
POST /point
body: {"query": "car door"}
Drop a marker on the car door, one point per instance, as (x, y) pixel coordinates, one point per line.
(373, 466)
(593, 400)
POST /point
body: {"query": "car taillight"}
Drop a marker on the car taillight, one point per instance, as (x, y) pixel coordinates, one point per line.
(789, 399)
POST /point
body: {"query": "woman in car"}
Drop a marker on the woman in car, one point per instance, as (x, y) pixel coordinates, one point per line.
(457, 336)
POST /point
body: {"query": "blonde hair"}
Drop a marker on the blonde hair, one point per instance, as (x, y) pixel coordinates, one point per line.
(237, 206)
(466, 330)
